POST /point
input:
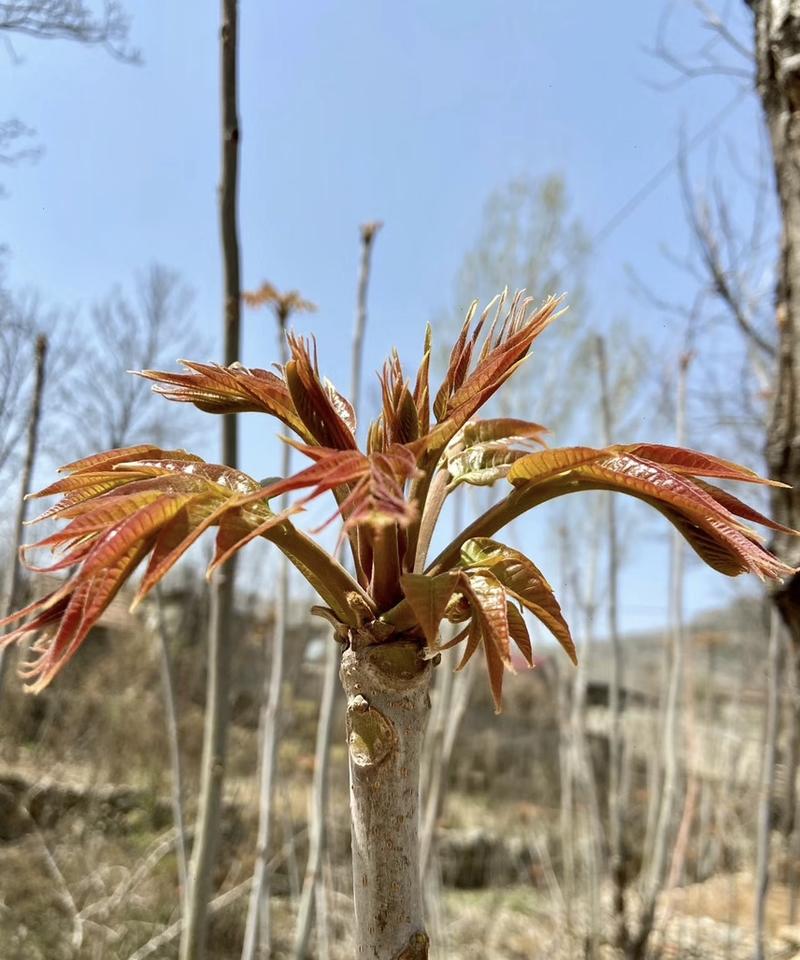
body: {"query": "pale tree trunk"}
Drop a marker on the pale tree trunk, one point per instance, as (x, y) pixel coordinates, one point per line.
(767, 787)
(221, 632)
(664, 835)
(313, 881)
(15, 580)
(387, 704)
(171, 714)
(451, 699)
(257, 926)
(617, 865)
(312, 886)
(579, 773)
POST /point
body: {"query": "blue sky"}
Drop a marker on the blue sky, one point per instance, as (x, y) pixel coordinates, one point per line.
(354, 111)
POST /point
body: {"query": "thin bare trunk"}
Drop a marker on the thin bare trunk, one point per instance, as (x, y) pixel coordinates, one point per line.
(580, 768)
(221, 632)
(387, 702)
(442, 729)
(457, 700)
(790, 825)
(767, 784)
(616, 860)
(568, 826)
(319, 789)
(171, 716)
(664, 830)
(15, 580)
(368, 233)
(318, 809)
(170, 934)
(257, 925)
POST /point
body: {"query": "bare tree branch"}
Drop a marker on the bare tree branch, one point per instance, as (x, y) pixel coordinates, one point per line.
(108, 27)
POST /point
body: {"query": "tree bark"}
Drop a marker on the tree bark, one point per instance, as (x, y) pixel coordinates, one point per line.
(387, 703)
(15, 581)
(318, 810)
(221, 633)
(764, 825)
(777, 48)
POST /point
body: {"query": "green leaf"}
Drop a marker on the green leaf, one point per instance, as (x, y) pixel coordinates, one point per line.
(482, 464)
(550, 463)
(505, 428)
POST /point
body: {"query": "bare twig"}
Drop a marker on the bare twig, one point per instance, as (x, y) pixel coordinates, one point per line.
(34, 417)
(257, 926)
(617, 864)
(319, 788)
(64, 893)
(72, 20)
(171, 716)
(762, 877)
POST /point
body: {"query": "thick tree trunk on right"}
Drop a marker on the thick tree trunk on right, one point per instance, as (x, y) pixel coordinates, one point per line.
(777, 42)
(777, 47)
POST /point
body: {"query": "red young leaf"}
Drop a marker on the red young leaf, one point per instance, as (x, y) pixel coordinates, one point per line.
(163, 506)
(523, 581)
(519, 633)
(373, 482)
(428, 597)
(235, 389)
(710, 518)
(318, 405)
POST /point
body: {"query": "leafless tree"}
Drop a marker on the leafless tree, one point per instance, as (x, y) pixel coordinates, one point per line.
(16, 335)
(763, 38)
(529, 239)
(153, 328)
(34, 416)
(726, 50)
(668, 800)
(615, 802)
(105, 24)
(16, 142)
